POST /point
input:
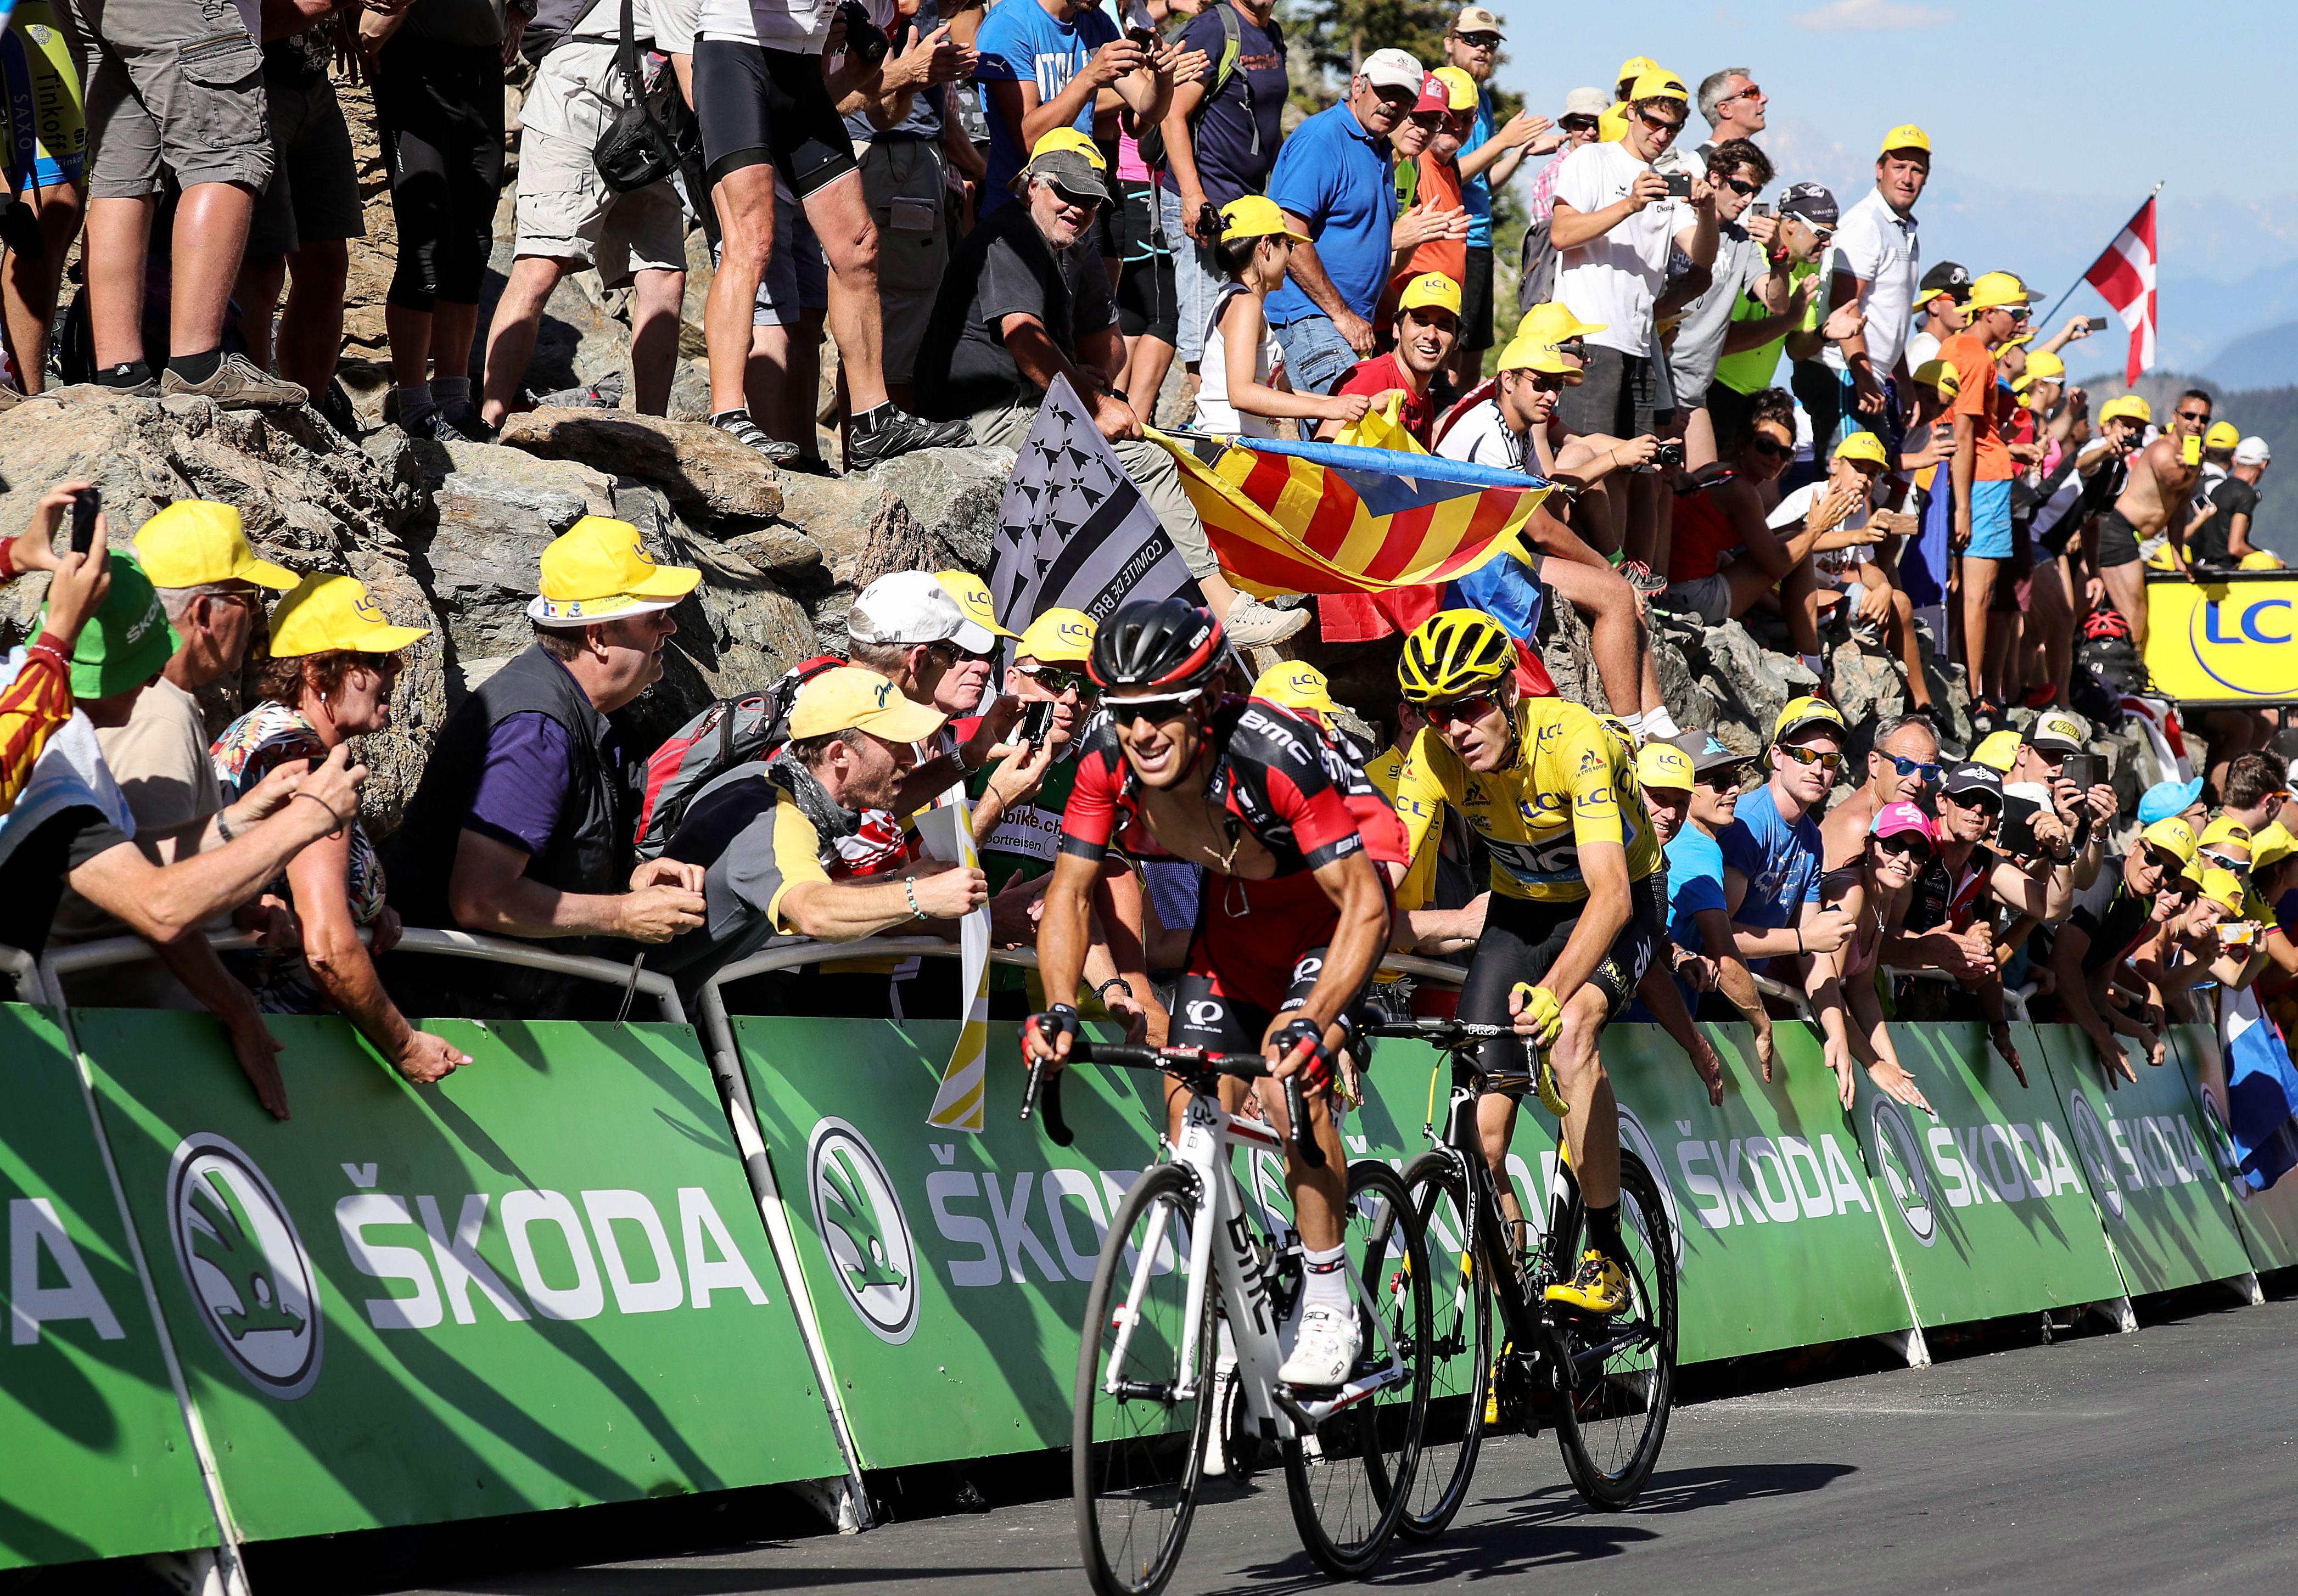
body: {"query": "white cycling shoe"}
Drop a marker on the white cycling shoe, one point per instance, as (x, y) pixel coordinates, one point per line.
(1326, 1349)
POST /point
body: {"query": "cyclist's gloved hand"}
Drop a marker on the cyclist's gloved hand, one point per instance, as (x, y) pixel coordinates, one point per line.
(1538, 1016)
(1050, 1034)
(1302, 1042)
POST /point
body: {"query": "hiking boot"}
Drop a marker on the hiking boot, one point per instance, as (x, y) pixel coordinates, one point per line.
(237, 385)
(738, 425)
(901, 433)
(1253, 624)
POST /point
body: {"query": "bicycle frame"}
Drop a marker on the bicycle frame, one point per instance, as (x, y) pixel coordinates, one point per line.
(1520, 1315)
(1222, 1234)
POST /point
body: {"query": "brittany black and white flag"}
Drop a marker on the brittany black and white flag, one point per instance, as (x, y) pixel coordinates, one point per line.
(1074, 531)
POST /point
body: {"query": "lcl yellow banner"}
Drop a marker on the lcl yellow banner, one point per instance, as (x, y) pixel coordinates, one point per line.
(2228, 641)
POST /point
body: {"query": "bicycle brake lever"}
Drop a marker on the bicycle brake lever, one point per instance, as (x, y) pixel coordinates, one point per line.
(1304, 1139)
(1056, 1126)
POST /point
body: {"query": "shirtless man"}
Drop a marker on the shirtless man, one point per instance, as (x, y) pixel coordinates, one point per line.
(1902, 764)
(2157, 498)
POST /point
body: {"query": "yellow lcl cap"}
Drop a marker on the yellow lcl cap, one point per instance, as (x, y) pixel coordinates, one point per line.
(1431, 289)
(1059, 637)
(1906, 136)
(850, 698)
(595, 570)
(1257, 216)
(2173, 837)
(328, 611)
(973, 596)
(196, 541)
(1297, 687)
(1664, 766)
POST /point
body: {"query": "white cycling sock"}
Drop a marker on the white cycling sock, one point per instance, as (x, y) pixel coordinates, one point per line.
(1659, 724)
(1635, 725)
(1325, 1281)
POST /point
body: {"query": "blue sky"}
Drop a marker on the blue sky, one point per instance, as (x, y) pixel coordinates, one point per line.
(2049, 121)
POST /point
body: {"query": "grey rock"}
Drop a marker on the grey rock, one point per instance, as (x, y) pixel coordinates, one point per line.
(704, 472)
(952, 494)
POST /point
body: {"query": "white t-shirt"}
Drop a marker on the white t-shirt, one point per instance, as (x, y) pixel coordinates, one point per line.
(1612, 280)
(1482, 437)
(1878, 245)
(1838, 567)
(676, 24)
(1214, 413)
(800, 26)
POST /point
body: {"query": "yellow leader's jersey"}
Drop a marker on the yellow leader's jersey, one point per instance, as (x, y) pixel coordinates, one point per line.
(1572, 783)
(1420, 877)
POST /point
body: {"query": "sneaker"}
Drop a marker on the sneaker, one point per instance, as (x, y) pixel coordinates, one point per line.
(435, 427)
(1642, 578)
(9, 397)
(1326, 1349)
(1253, 624)
(738, 425)
(1600, 1286)
(237, 385)
(335, 409)
(469, 426)
(604, 394)
(901, 433)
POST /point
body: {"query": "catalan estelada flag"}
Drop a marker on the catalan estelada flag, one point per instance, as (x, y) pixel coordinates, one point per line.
(1287, 517)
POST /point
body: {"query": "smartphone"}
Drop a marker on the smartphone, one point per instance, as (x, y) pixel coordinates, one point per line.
(1037, 723)
(1146, 37)
(864, 39)
(1760, 208)
(2081, 769)
(2097, 324)
(88, 504)
(2191, 450)
(1679, 185)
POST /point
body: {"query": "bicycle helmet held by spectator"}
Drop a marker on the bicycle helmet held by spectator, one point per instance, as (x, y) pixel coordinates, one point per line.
(1452, 653)
(1162, 645)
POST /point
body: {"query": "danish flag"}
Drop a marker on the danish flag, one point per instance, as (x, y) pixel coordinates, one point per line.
(2125, 277)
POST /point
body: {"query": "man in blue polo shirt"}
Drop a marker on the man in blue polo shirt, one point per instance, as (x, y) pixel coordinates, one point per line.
(1331, 181)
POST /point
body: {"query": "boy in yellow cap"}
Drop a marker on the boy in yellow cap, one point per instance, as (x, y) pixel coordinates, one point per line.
(1426, 325)
(2120, 909)
(523, 824)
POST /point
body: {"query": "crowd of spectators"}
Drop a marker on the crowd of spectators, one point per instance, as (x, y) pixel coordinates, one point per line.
(974, 204)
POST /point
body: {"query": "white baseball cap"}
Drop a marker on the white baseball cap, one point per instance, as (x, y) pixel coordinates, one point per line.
(906, 607)
(1587, 102)
(2252, 452)
(1391, 69)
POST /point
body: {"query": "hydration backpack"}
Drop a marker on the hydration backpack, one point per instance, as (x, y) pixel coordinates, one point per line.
(730, 732)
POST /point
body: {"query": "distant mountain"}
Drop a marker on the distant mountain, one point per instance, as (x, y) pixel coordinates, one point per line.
(2267, 358)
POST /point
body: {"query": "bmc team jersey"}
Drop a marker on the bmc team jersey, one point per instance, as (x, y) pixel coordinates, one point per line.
(1269, 772)
(1573, 784)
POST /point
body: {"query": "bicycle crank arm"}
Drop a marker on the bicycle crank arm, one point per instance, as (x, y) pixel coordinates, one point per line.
(1638, 1336)
(1315, 1413)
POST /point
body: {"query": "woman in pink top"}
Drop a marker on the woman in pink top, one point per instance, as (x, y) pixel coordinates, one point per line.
(1901, 841)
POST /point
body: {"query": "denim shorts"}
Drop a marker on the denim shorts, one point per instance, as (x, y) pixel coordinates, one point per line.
(1317, 357)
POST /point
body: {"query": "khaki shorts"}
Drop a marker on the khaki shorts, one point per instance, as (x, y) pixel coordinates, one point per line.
(566, 212)
(177, 83)
(1709, 597)
(905, 184)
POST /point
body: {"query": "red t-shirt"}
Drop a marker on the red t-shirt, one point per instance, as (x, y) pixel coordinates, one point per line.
(1383, 372)
(1702, 535)
(1981, 398)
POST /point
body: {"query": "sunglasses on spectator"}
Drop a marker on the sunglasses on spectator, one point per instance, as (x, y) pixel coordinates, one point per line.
(957, 654)
(1125, 712)
(1983, 803)
(1726, 780)
(1576, 124)
(1749, 92)
(1660, 124)
(1480, 41)
(1904, 844)
(1546, 382)
(1770, 447)
(2193, 416)
(1741, 185)
(2232, 867)
(1908, 767)
(1825, 759)
(1058, 681)
(1450, 711)
(2169, 864)
(1432, 120)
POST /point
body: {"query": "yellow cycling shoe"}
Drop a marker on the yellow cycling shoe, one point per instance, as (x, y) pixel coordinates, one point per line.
(1601, 1286)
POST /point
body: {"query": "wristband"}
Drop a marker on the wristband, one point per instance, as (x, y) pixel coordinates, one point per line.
(223, 824)
(1119, 982)
(1799, 952)
(8, 571)
(910, 891)
(324, 804)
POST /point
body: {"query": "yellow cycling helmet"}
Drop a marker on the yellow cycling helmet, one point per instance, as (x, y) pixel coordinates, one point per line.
(1452, 653)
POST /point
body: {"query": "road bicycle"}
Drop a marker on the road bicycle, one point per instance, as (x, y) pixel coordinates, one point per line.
(1609, 1381)
(1185, 1259)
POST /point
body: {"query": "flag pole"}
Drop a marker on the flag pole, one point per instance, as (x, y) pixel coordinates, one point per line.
(2083, 275)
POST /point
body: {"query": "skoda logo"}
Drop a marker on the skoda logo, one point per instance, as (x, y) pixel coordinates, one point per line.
(248, 1272)
(863, 1230)
(1903, 1170)
(2098, 1151)
(1634, 1135)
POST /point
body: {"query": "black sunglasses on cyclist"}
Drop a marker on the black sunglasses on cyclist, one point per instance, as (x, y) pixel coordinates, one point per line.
(1169, 706)
(1058, 681)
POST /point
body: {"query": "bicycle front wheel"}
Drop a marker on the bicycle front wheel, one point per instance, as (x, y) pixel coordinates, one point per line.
(1459, 1351)
(1351, 1482)
(1143, 1399)
(1616, 1377)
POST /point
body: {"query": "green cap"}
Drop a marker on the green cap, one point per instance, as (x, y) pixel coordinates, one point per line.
(128, 640)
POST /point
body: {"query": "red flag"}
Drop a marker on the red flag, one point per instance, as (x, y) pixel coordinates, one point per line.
(2125, 276)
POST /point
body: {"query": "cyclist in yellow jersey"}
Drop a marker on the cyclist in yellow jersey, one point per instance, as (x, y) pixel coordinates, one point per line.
(44, 146)
(1579, 903)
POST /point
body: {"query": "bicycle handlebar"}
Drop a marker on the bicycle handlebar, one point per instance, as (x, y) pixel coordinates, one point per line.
(1045, 1087)
(1443, 1033)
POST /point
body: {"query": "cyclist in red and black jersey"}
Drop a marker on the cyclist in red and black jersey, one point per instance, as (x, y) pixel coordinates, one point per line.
(1293, 920)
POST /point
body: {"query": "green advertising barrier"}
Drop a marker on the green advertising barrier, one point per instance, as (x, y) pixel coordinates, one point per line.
(94, 1459)
(949, 1270)
(541, 1283)
(2146, 1153)
(1988, 1204)
(2269, 1219)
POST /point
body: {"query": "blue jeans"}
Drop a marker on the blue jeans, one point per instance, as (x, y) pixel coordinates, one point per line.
(1195, 282)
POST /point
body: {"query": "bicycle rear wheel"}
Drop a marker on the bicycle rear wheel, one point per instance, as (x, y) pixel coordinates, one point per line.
(1138, 1453)
(1351, 1482)
(1460, 1350)
(1616, 1377)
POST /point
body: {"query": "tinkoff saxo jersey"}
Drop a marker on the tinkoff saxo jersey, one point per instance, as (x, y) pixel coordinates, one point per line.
(1572, 783)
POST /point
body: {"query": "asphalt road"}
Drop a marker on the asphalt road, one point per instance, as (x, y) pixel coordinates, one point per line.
(2107, 1462)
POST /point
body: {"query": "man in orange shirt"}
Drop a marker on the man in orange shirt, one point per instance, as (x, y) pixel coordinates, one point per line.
(1451, 94)
(1980, 469)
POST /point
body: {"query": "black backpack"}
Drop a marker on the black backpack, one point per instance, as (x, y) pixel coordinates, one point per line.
(730, 732)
